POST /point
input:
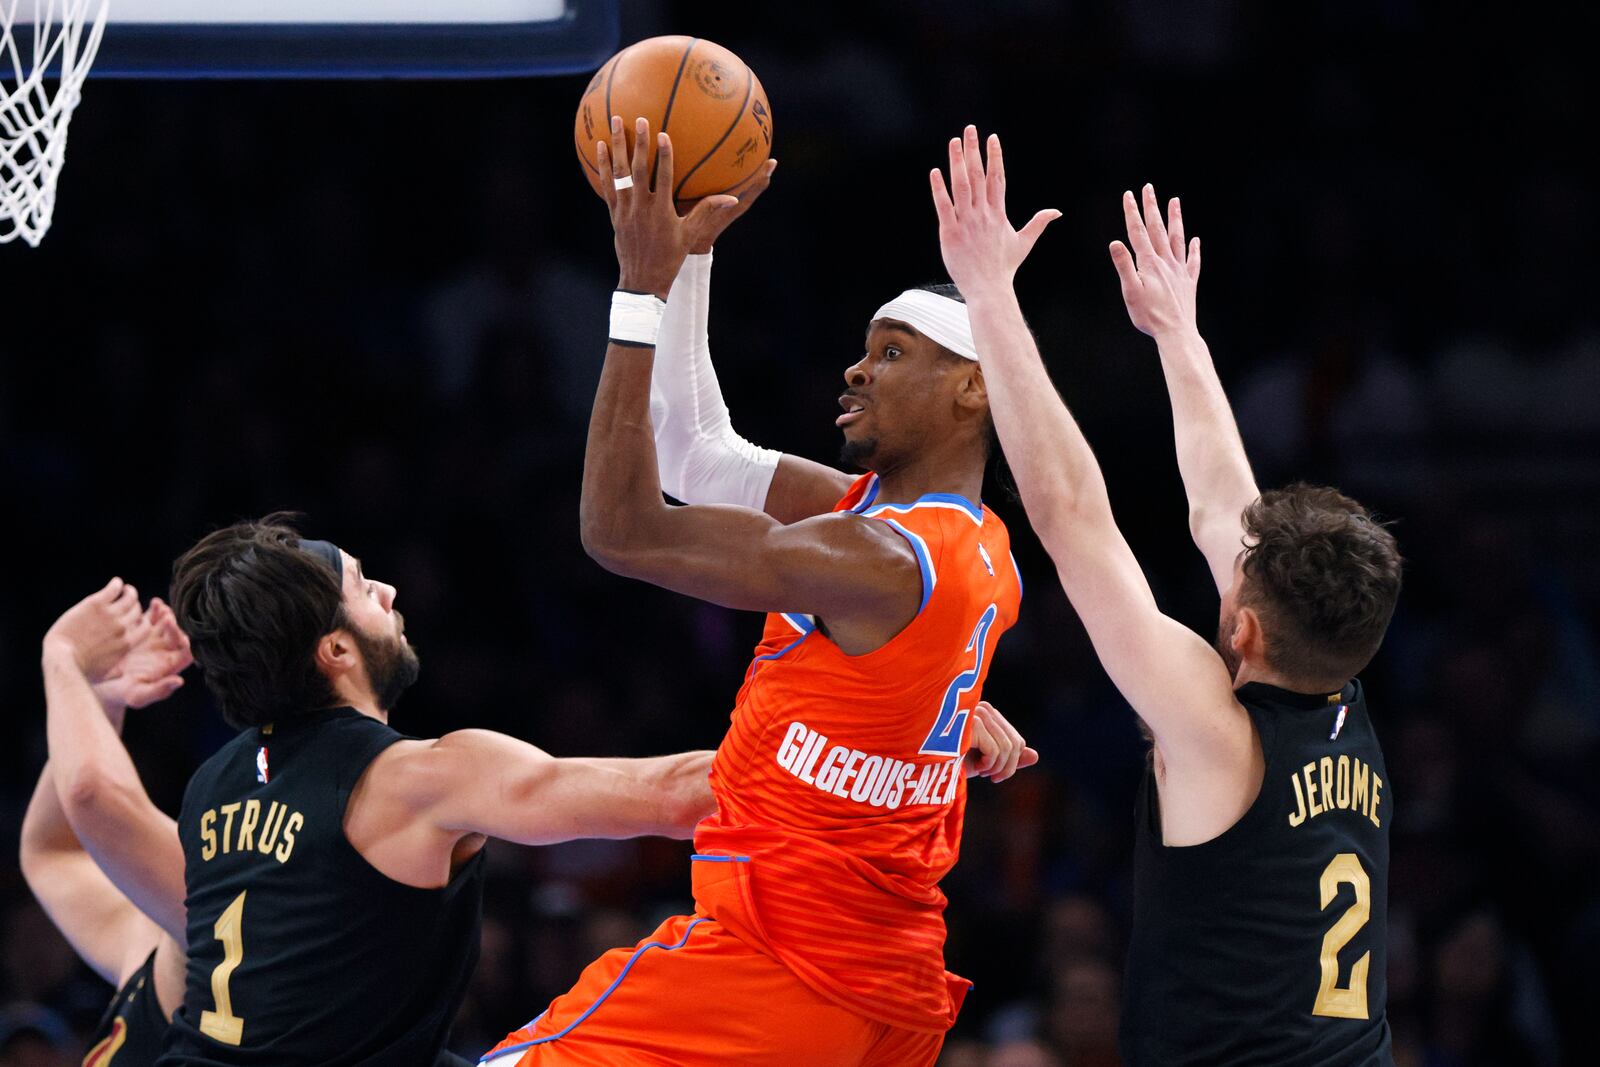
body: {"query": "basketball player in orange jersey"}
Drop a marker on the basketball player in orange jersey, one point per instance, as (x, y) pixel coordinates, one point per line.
(1262, 839)
(104, 861)
(818, 932)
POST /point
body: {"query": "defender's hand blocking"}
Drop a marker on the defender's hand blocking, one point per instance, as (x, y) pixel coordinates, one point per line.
(979, 245)
(100, 630)
(1159, 288)
(652, 241)
(998, 750)
(153, 668)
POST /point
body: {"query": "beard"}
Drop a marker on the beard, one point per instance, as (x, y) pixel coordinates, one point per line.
(1224, 645)
(854, 455)
(392, 664)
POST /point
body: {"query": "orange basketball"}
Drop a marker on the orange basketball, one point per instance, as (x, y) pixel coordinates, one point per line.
(700, 94)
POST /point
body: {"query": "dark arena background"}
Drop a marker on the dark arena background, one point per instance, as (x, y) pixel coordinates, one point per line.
(383, 304)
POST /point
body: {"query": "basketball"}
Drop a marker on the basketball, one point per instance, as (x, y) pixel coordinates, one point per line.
(699, 93)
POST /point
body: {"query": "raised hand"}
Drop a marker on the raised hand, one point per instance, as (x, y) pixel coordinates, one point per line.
(100, 630)
(652, 240)
(979, 245)
(998, 750)
(152, 670)
(1159, 285)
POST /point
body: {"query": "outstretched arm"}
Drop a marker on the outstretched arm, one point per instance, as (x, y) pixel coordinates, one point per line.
(1159, 289)
(481, 782)
(699, 455)
(101, 657)
(419, 800)
(857, 574)
(1173, 679)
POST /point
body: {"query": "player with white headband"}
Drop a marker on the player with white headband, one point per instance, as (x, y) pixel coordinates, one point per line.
(700, 457)
(818, 933)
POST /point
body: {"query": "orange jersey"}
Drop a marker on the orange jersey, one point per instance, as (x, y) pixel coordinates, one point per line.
(839, 788)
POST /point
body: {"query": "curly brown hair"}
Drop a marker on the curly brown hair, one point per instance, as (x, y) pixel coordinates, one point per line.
(1323, 575)
(254, 606)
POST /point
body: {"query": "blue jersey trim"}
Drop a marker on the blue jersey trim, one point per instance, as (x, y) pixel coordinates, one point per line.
(804, 623)
(871, 495)
(612, 988)
(719, 859)
(1018, 569)
(950, 501)
(784, 651)
(924, 561)
(954, 498)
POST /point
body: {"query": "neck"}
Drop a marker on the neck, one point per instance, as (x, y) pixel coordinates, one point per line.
(360, 698)
(957, 470)
(1256, 672)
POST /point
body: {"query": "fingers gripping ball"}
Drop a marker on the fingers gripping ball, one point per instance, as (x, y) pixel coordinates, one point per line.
(697, 92)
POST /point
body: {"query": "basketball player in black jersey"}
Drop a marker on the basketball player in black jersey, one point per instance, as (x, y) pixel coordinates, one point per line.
(1262, 856)
(333, 865)
(91, 828)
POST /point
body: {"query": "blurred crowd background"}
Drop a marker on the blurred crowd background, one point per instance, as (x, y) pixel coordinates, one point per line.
(384, 305)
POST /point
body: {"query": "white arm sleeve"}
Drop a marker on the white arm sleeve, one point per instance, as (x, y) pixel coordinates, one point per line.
(700, 458)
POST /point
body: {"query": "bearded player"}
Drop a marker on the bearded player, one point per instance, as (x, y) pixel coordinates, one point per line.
(333, 865)
(1262, 840)
(818, 932)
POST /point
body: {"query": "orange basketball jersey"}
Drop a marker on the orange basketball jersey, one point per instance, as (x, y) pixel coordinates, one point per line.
(839, 787)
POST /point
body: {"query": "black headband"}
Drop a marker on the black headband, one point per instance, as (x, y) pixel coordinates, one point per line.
(329, 553)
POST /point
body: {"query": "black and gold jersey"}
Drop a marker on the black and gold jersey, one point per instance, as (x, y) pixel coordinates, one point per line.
(1266, 945)
(131, 1031)
(301, 953)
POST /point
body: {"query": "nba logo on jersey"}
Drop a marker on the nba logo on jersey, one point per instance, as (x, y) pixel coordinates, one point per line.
(261, 764)
(988, 564)
(1338, 724)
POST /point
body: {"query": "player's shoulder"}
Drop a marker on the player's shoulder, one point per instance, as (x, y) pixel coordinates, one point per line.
(851, 532)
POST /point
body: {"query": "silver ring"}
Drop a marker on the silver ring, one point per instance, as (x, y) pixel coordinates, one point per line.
(624, 182)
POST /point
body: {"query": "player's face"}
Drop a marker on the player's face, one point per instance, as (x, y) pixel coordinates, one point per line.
(897, 395)
(380, 634)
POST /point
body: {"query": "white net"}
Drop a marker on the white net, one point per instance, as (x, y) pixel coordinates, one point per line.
(44, 44)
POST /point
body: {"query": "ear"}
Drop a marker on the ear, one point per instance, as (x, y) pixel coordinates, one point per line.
(972, 394)
(1248, 641)
(336, 654)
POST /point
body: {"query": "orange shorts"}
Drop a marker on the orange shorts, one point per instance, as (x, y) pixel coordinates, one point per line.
(694, 995)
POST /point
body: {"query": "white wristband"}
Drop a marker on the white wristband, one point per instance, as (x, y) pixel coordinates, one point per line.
(636, 318)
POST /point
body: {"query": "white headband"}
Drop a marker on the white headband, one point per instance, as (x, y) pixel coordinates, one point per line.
(938, 317)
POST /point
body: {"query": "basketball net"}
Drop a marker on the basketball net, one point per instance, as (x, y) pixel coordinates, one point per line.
(65, 34)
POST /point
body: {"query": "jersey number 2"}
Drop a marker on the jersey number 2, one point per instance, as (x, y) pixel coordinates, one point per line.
(945, 737)
(223, 1025)
(1351, 1001)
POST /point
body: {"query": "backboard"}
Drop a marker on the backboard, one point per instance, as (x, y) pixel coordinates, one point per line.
(350, 38)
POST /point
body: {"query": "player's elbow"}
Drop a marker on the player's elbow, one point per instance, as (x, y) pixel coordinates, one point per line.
(34, 860)
(1065, 519)
(1200, 520)
(608, 546)
(622, 544)
(90, 797)
(604, 536)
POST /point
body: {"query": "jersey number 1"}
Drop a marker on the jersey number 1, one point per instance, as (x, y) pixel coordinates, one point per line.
(223, 1025)
(1350, 1002)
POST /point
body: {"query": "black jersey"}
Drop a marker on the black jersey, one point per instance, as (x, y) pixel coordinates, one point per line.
(301, 954)
(1266, 945)
(130, 1033)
